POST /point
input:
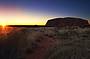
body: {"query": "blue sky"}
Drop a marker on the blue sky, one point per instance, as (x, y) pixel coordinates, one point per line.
(79, 8)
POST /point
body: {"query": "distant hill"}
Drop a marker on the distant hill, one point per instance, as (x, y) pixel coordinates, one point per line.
(68, 21)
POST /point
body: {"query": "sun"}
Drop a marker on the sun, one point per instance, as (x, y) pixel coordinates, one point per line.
(3, 25)
(5, 29)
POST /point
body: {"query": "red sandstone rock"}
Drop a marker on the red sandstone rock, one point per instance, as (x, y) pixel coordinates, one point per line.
(68, 21)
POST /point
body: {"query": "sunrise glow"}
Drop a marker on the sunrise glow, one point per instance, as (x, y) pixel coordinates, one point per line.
(15, 16)
(4, 30)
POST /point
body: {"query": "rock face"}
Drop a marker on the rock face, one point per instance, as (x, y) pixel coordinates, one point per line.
(68, 21)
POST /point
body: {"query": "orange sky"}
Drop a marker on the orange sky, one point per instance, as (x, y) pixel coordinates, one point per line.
(16, 16)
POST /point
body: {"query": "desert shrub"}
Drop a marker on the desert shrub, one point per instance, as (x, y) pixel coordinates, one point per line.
(72, 44)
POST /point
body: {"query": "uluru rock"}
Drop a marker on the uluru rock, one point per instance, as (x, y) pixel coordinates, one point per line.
(68, 21)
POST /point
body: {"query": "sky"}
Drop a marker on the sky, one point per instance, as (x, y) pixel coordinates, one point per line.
(37, 12)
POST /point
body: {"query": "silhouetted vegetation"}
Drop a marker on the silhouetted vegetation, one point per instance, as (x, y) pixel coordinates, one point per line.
(52, 42)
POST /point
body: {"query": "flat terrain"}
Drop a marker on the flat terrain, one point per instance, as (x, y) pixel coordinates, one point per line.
(45, 43)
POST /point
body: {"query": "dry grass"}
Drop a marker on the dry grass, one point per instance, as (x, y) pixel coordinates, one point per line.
(59, 43)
